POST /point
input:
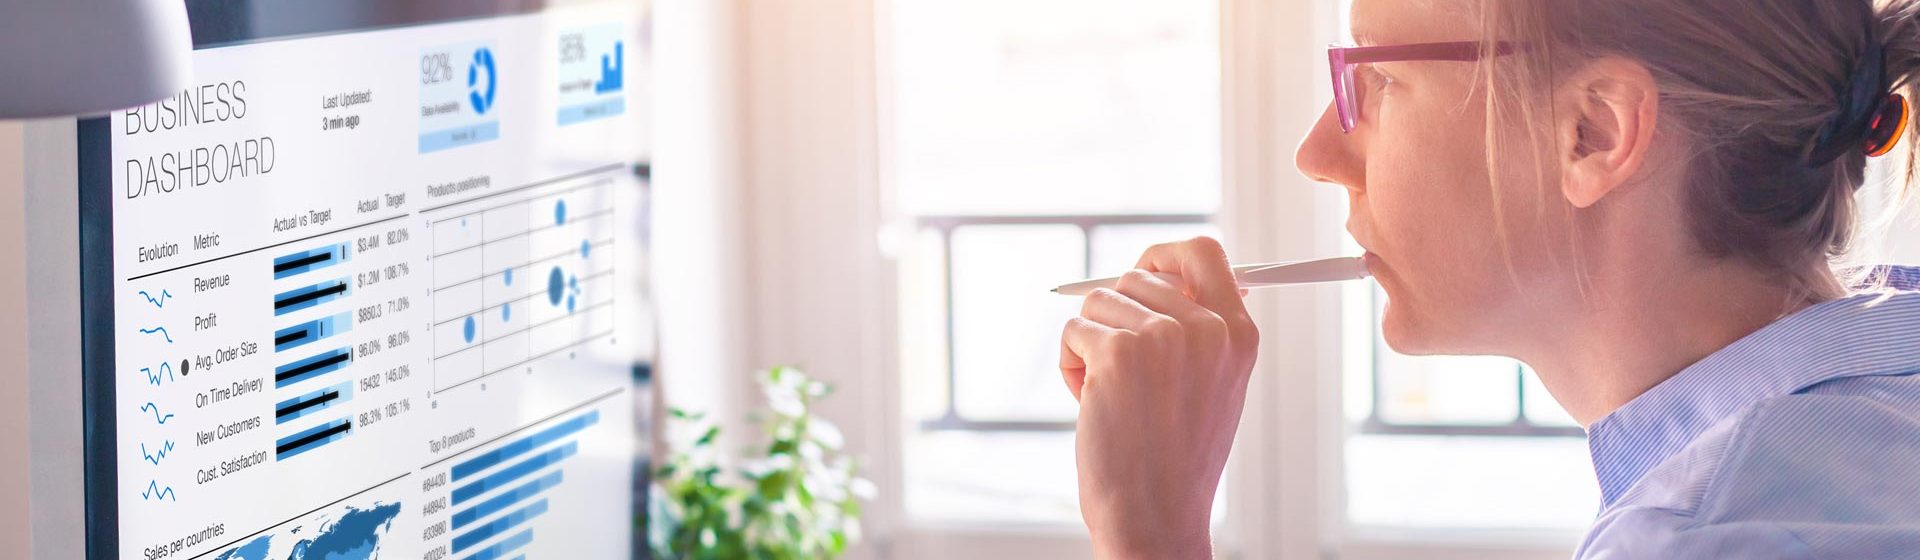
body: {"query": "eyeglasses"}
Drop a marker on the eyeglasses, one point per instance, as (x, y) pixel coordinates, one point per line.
(1346, 98)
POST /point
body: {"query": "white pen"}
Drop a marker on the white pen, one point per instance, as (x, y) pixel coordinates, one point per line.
(1258, 275)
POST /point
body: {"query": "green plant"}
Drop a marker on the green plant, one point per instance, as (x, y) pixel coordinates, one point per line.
(800, 501)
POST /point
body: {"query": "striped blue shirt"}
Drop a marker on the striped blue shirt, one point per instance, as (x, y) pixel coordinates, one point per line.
(1801, 440)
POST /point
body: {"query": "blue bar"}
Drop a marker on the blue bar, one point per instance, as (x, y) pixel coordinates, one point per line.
(309, 368)
(344, 391)
(501, 525)
(459, 136)
(302, 298)
(509, 474)
(315, 259)
(284, 448)
(501, 548)
(303, 333)
(509, 451)
(467, 516)
(592, 110)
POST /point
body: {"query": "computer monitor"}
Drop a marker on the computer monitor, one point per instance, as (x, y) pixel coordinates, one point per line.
(371, 284)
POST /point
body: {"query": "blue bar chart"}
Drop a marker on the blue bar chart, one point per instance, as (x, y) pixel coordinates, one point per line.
(311, 367)
(312, 403)
(309, 296)
(507, 499)
(520, 447)
(499, 525)
(309, 260)
(311, 331)
(312, 438)
(499, 491)
(502, 548)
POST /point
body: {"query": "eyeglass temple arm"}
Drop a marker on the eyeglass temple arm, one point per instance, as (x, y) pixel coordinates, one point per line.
(1459, 51)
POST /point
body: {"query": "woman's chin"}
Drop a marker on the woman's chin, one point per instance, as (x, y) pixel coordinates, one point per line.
(1406, 334)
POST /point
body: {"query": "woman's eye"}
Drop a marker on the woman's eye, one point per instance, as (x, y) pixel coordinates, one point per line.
(1375, 80)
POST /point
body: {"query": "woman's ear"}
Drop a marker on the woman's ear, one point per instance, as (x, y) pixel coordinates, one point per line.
(1604, 120)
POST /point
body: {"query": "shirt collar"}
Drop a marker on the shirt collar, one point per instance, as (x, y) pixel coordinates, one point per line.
(1862, 335)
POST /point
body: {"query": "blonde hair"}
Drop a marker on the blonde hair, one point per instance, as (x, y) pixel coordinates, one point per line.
(1757, 90)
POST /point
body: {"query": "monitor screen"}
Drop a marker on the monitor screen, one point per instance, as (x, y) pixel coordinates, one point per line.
(369, 287)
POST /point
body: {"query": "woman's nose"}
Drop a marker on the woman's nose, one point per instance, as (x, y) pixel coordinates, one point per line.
(1328, 155)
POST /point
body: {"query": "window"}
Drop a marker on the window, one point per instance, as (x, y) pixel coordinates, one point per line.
(1029, 144)
(1455, 442)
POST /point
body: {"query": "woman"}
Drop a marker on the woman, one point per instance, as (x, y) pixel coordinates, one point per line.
(1641, 199)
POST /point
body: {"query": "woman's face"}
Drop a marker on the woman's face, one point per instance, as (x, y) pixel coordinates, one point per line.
(1422, 198)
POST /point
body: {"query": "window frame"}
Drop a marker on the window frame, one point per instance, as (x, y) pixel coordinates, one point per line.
(1520, 426)
(944, 226)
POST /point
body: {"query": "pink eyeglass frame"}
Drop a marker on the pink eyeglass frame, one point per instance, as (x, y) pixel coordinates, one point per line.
(1342, 59)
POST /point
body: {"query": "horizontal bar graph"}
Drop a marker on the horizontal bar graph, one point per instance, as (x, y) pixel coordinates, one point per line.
(503, 524)
(308, 261)
(522, 446)
(505, 488)
(309, 368)
(309, 296)
(509, 474)
(503, 547)
(312, 438)
(505, 500)
(312, 403)
(311, 331)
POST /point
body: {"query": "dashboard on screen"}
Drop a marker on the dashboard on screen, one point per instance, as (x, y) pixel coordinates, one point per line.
(370, 286)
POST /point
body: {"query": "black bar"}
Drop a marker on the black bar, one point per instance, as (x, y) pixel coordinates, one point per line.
(296, 372)
(313, 437)
(289, 337)
(310, 296)
(306, 404)
(303, 261)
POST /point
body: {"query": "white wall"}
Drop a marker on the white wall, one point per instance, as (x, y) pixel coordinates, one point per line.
(821, 295)
(699, 235)
(14, 486)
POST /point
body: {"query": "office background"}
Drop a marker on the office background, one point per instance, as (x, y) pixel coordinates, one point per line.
(839, 185)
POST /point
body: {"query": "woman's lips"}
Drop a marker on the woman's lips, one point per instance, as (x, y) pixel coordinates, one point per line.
(1373, 263)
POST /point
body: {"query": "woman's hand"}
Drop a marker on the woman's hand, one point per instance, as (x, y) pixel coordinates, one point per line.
(1160, 369)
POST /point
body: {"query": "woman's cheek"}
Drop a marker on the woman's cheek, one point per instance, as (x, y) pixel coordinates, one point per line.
(1424, 230)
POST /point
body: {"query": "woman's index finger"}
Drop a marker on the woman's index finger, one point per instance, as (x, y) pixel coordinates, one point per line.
(1202, 263)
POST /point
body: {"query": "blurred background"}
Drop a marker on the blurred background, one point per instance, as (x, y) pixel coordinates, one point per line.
(882, 191)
